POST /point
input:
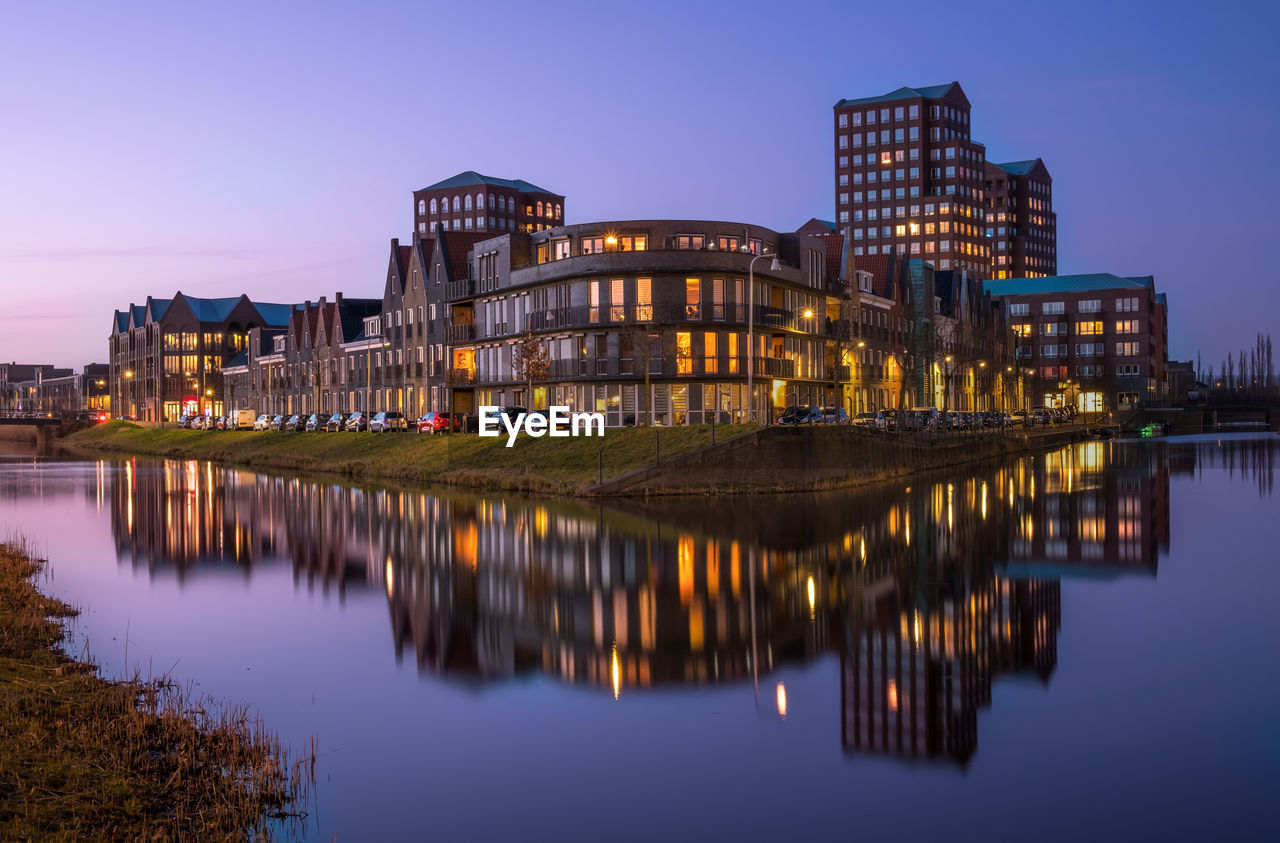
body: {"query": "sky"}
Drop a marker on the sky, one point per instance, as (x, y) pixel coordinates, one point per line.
(272, 148)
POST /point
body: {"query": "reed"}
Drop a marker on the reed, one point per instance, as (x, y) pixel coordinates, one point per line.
(82, 757)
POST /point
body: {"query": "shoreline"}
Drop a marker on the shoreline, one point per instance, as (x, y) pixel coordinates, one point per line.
(699, 460)
(88, 757)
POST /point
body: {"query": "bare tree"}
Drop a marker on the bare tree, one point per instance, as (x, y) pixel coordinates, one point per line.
(532, 362)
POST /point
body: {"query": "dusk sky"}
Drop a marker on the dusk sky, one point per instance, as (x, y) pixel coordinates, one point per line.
(271, 148)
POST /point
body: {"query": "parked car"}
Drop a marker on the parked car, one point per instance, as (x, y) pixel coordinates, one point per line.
(800, 414)
(334, 424)
(439, 423)
(315, 423)
(262, 422)
(388, 422)
(277, 423)
(295, 424)
(356, 422)
(184, 421)
(834, 415)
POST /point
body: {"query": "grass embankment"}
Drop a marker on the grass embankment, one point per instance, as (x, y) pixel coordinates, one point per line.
(561, 465)
(85, 758)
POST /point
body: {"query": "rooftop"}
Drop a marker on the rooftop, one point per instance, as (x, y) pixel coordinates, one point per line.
(1068, 284)
(1019, 168)
(471, 177)
(931, 92)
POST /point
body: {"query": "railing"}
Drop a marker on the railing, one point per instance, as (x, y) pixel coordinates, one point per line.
(587, 316)
(460, 333)
(461, 376)
(455, 290)
(775, 367)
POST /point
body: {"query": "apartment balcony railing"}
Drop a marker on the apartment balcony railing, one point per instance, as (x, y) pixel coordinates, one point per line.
(455, 290)
(775, 367)
(460, 377)
(460, 333)
(586, 316)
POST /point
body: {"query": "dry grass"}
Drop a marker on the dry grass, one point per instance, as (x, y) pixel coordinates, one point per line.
(85, 758)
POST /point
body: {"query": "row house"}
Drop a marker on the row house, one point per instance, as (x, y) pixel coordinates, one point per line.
(316, 364)
(1098, 342)
(166, 355)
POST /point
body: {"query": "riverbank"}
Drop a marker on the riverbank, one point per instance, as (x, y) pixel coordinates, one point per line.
(699, 459)
(563, 466)
(86, 758)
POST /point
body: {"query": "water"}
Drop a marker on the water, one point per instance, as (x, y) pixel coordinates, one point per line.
(1078, 644)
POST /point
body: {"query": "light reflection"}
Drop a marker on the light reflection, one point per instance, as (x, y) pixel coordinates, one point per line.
(782, 700)
(605, 597)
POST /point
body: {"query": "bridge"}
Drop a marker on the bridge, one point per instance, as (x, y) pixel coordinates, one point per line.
(39, 428)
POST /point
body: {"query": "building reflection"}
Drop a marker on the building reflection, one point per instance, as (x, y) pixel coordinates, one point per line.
(926, 594)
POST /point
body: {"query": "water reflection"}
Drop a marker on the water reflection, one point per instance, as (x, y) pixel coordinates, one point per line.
(927, 594)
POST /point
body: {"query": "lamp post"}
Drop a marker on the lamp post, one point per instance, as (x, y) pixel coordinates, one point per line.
(774, 266)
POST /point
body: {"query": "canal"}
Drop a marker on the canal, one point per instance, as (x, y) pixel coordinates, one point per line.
(1081, 643)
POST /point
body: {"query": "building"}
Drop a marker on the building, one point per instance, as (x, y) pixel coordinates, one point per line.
(910, 180)
(1097, 342)
(909, 177)
(1022, 228)
(472, 202)
(167, 354)
(18, 382)
(308, 366)
(643, 320)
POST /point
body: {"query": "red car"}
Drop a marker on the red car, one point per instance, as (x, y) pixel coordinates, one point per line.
(439, 423)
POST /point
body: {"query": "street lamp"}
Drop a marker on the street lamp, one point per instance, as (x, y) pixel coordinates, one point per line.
(774, 266)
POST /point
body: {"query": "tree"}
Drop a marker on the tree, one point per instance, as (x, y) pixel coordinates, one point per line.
(532, 362)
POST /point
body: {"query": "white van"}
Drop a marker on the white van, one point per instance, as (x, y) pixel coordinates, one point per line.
(242, 419)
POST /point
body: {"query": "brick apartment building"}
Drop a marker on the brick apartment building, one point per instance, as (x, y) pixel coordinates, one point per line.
(1097, 342)
(1022, 227)
(911, 180)
(472, 202)
(166, 355)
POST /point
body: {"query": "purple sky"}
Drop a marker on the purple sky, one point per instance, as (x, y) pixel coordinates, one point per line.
(234, 148)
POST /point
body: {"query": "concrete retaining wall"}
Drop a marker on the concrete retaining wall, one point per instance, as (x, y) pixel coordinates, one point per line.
(783, 459)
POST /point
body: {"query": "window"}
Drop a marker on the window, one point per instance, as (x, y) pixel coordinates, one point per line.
(644, 299)
(913, 112)
(633, 243)
(591, 245)
(422, 207)
(709, 352)
(1052, 329)
(457, 204)
(727, 244)
(1088, 329)
(1051, 307)
(684, 353)
(1127, 326)
(433, 206)
(693, 298)
(562, 248)
(690, 241)
(1022, 309)
(898, 113)
(1127, 305)
(843, 120)
(1021, 329)
(617, 310)
(1128, 349)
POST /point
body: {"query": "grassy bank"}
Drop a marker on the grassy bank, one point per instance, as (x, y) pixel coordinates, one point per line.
(85, 758)
(560, 466)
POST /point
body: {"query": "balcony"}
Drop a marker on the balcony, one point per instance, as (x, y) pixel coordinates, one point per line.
(460, 333)
(455, 290)
(586, 316)
(775, 367)
(460, 377)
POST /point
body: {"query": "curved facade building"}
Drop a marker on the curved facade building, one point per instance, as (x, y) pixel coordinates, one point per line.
(645, 320)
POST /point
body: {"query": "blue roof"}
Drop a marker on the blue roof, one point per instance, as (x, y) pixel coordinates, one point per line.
(1019, 168)
(471, 177)
(1066, 284)
(931, 92)
(241, 359)
(275, 315)
(212, 310)
(122, 321)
